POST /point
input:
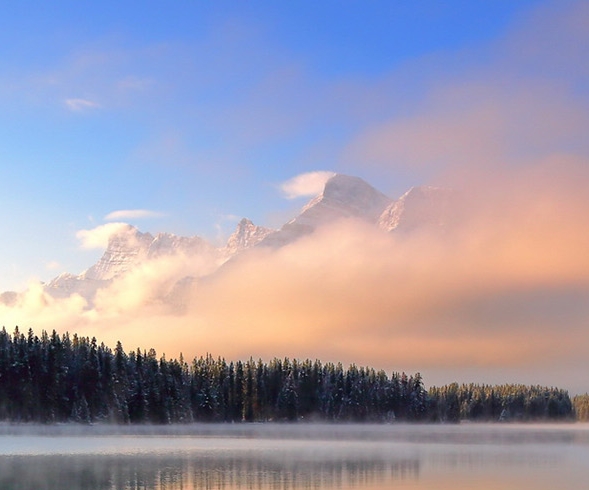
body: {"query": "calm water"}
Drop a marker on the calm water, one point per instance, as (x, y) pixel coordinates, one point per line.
(265, 457)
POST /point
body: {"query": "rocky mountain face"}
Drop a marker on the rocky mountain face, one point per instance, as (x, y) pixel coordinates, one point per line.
(126, 250)
(245, 236)
(343, 197)
(418, 207)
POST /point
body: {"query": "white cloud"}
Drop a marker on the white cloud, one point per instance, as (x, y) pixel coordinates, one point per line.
(98, 237)
(308, 184)
(53, 265)
(132, 214)
(230, 217)
(78, 105)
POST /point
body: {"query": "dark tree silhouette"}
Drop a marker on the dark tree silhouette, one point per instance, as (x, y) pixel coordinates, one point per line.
(59, 379)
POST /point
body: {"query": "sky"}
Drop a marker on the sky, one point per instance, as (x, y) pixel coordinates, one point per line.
(187, 116)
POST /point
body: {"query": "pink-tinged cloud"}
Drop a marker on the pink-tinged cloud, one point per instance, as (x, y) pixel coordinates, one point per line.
(52, 265)
(525, 102)
(473, 126)
(502, 292)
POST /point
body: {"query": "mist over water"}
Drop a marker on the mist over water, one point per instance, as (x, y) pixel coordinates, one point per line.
(298, 456)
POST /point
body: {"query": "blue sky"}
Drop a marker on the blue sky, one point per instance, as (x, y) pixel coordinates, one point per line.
(197, 111)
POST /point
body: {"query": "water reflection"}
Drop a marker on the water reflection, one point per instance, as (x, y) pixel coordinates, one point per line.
(272, 457)
(182, 473)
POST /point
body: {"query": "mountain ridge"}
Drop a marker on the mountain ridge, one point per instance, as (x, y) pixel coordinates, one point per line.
(343, 197)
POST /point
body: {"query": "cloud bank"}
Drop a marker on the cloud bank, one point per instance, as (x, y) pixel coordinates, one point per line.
(505, 289)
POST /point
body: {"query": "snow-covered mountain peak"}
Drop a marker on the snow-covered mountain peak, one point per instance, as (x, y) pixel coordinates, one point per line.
(128, 236)
(424, 192)
(351, 197)
(168, 243)
(125, 248)
(419, 206)
(343, 197)
(246, 235)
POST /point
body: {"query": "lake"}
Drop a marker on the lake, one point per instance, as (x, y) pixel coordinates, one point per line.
(298, 456)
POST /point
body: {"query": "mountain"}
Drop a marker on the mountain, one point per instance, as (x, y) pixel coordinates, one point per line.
(127, 249)
(343, 197)
(418, 207)
(245, 236)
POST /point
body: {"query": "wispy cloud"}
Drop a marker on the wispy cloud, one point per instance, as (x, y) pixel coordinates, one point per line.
(98, 237)
(53, 265)
(520, 104)
(124, 214)
(306, 185)
(135, 83)
(79, 105)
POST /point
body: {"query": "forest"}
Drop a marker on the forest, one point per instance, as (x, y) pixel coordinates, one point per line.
(53, 378)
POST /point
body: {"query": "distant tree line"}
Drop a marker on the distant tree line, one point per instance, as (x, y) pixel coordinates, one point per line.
(56, 378)
(517, 402)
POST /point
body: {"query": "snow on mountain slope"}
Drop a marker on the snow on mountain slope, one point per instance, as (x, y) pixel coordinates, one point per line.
(418, 207)
(166, 243)
(342, 197)
(245, 236)
(126, 250)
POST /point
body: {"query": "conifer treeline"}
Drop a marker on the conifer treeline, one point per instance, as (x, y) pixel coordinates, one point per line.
(474, 402)
(61, 378)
